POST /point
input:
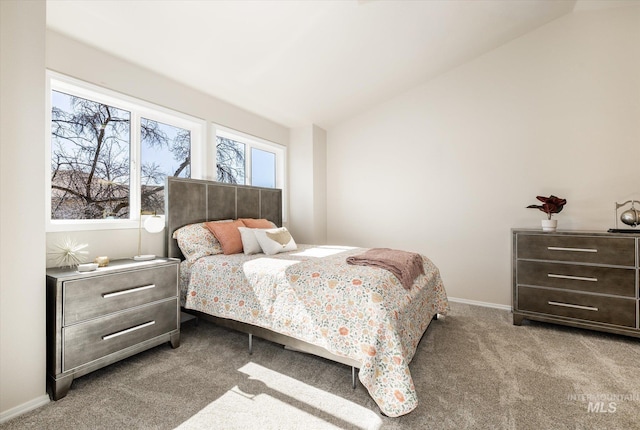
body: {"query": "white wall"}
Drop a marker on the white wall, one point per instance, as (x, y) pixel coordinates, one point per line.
(448, 168)
(22, 235)
(70, 57)
(307, 184)
(319, 185)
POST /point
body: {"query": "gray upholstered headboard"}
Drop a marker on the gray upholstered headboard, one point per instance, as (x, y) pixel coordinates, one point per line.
(188, 201)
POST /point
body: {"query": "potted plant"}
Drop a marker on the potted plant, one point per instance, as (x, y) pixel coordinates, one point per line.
(550, 205)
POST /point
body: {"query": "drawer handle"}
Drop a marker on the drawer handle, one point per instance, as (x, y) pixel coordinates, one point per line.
(567, 305)
(130, 290)
(559, 248)
(575, 278)
(128, 330)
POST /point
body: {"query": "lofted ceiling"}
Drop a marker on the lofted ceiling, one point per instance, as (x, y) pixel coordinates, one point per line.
(300, 62)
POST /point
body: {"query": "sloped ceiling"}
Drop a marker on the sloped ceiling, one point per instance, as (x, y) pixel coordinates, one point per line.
(300, 62)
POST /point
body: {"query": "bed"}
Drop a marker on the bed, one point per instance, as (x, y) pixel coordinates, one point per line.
(307, 299)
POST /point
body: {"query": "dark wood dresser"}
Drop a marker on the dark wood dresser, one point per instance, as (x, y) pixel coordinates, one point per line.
(577, 278)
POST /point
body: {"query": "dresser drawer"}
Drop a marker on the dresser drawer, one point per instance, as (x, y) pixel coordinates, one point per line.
(102, 294)
(580, 249)
(591, 279)
(97, 338)
(588, 307)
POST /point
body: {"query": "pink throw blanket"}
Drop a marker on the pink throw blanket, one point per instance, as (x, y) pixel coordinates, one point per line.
(406, 266)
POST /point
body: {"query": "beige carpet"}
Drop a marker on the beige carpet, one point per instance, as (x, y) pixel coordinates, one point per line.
(473, 370)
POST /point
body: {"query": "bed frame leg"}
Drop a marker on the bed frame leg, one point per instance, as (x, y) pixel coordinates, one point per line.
(250, 344)
(353, 377)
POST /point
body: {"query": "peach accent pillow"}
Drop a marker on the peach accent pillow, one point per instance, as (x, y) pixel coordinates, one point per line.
(257, 223)
(228, 235)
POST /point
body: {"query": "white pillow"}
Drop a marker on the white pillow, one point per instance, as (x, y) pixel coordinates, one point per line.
(275, 240)
(250, 243)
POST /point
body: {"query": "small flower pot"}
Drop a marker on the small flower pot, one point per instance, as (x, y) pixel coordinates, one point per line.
(549, 224)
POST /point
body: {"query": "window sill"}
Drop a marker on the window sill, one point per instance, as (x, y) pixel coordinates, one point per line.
(87, 225)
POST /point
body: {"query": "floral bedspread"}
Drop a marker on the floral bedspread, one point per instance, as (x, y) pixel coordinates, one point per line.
(312, 294)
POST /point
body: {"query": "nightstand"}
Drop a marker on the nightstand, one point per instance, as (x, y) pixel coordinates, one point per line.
(97, 318)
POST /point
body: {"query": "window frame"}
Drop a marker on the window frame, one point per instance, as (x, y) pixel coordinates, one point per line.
(138, 109)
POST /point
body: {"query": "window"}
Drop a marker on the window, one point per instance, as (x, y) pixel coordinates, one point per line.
(263, 168)
(246, 160)
(165, 151)
(90, 153)
(110, 154)
(230, 160)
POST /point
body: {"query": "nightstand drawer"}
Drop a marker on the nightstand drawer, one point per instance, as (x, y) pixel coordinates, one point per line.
(102, 294)
(100, 337)
(589, 307)
(580, 249)
(591, 279)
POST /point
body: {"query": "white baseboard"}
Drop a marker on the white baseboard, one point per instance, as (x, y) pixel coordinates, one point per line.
(477, 303)
(24, 408)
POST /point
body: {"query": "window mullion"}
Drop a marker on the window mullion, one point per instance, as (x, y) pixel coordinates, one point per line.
(135, 197)
(247, 156)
